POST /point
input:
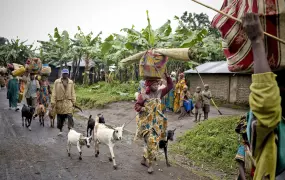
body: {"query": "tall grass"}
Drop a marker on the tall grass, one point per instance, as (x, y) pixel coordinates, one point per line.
(212, 143)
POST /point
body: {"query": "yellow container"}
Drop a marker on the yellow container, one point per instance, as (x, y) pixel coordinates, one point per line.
(19, 72)
(20, 97)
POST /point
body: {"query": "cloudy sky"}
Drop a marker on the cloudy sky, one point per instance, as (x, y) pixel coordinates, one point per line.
(33, 19)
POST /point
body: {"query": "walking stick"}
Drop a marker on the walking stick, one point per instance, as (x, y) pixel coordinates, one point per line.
(238, 20)
(211, 97)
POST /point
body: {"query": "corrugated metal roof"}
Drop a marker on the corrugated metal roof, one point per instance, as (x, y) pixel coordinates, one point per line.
(211, 67)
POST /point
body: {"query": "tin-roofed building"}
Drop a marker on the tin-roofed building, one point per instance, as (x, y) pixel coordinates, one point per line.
(225, 86)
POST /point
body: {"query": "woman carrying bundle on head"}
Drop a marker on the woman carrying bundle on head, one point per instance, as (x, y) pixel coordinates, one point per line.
(152, 123)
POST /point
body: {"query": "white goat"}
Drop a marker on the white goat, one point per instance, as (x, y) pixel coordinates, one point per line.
(108, 136)
(77, 139)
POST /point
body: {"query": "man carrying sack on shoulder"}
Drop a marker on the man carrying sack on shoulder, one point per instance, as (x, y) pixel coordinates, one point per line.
(63, 100)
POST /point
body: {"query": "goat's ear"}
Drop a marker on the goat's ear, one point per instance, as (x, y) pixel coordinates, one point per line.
(174, 129)
(123, 125)
(90, 116)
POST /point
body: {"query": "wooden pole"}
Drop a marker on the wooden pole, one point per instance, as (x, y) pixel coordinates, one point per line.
(238, 20)
(211, 98)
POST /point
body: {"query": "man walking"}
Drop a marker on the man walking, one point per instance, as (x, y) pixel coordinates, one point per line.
(33, 87)
(63, 100)
(207, 95)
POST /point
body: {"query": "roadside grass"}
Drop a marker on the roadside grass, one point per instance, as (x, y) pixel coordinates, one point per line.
(212, 143)
(102, 93)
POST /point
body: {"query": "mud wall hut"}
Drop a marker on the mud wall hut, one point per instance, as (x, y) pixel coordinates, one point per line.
(225, 86)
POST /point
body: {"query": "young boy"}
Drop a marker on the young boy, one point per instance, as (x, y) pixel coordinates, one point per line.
(198, 100)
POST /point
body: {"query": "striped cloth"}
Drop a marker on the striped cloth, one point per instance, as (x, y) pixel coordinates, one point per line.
(237, 46)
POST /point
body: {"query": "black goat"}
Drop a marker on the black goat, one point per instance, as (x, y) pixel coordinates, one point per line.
(91, 123)
(163, 144)
(27, 115)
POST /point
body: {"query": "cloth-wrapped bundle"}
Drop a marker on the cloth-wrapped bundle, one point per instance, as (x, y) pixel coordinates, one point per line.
(35, 65)
(3, 70)
(152, 65)
(46, 70)
(237, 46)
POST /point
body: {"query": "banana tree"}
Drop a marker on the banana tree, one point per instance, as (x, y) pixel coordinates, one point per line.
(58, 50)
(148, 38)
(15, 51)
(88, 46)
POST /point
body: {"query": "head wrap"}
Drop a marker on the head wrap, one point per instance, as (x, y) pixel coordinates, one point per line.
(148, 83)
(185, 87)
(65, 71)
(206, 85)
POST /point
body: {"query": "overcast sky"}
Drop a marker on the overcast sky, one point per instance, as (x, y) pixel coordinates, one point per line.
(33, 19)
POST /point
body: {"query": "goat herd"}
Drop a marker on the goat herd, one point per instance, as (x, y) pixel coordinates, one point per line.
(96, 130)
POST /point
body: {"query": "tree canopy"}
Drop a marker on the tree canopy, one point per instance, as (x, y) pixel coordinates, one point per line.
(193, 32)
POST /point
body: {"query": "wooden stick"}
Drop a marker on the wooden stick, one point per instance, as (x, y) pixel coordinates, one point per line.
(211, 98)
(238, 20)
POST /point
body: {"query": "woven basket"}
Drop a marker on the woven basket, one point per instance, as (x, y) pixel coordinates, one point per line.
(132, 59)
(181, 54)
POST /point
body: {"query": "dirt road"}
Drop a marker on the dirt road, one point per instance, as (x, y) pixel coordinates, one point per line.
(41, 154)
(121, 112)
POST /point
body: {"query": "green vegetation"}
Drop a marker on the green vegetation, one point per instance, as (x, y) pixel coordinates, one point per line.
(193, 31)
(212, 143)
(98, 95)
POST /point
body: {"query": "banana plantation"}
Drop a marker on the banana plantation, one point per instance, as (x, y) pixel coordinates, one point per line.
(193, 31)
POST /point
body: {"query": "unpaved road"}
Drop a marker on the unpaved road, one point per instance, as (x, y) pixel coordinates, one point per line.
(41, 154)
(121, 112)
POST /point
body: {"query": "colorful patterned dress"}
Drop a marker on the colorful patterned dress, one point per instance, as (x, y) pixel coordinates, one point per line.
(152, 126)
(44, 96)
(178, 95)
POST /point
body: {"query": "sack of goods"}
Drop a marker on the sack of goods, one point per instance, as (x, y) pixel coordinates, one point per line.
(152, 65)
(19, 71)
(236, 45)
(35, 65)
(10, 67)
(46, 70)
(3, 70)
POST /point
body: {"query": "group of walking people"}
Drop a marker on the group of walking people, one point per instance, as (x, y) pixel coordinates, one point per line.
(35, 90)
(28, 89)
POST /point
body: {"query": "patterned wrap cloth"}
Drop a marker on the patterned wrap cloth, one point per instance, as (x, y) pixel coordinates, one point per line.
(151, 123)
(152, 126)
(178, 94)
(236, 45)
(44, 96)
